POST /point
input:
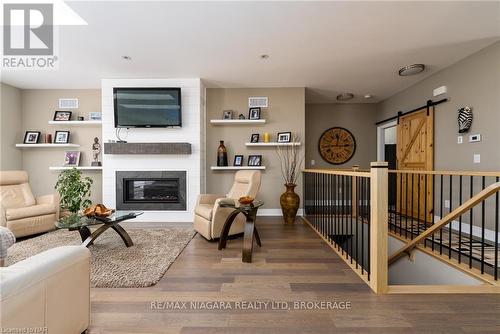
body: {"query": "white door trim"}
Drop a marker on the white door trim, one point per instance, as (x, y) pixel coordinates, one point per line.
(381, 138)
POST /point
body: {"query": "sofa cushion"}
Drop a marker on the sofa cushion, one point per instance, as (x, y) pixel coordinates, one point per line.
(16, 196)
(30, 211)
(204, 210)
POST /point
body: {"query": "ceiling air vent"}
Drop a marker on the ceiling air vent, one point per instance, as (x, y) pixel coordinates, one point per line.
(254, 102)
(68, 103)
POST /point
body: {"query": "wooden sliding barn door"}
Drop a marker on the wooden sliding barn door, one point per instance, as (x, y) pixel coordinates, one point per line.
(415, 151)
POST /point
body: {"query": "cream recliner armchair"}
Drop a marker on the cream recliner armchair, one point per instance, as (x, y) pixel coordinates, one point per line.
(209, 217)
(20, 211)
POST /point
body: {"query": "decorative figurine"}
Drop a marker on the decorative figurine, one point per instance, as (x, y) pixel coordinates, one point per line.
(96, 150)
(241, 116)
(222, 155)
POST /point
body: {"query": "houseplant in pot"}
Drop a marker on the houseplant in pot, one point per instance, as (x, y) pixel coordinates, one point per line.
(290, 161)
(74, 191)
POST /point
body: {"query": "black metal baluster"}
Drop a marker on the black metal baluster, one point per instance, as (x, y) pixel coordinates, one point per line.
(471, 221)
(406, 206)
(400, 213)
(368, 212)
(425, 206)
(441, 214)
(433, 204)
(418, 204)
(496, 233)
(337, 197)
(483, 181)
(350, 215)
(460, 221)
(362, 226)
(357, 219)
(450, 225)
(412, 213)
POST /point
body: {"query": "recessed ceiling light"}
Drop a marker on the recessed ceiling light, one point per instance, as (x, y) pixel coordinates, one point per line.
(411, 69)
(368, 96)
(126, 58)
(345, 96)
(264, 56)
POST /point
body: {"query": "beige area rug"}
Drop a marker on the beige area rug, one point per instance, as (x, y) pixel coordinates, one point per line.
(113, 265)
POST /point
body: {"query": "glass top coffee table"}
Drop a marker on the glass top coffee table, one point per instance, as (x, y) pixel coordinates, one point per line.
(250, 212)
(82, 225)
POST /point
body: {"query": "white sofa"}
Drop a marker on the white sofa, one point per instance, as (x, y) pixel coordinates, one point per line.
(49, 290)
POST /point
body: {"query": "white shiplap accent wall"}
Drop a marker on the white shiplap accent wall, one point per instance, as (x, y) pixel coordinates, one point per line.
(193, 108)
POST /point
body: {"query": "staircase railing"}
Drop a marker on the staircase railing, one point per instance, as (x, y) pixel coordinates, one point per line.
(443, 211)
(348, 209)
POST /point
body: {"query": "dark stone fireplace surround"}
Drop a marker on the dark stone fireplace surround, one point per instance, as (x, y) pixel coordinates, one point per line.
(122, 204)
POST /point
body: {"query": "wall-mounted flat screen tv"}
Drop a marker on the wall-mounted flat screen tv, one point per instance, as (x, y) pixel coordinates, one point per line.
(147, 107)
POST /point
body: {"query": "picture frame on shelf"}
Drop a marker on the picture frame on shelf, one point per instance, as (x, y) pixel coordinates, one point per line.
(71, 158)
(61, 137)
(284, 137)
(255, 160)
(62, 115)
(238, 160)
(32, 137)
(254, 113)
(95, 116)
(254, 138)
(227, 114)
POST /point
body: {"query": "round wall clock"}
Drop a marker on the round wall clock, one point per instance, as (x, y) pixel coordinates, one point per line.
(337, 145)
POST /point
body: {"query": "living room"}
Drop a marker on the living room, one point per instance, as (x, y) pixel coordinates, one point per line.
(248, 173)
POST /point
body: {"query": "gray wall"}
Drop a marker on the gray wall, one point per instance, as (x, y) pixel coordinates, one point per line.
(10, 127)
(286, 112)
(359, 119)
(473, 81)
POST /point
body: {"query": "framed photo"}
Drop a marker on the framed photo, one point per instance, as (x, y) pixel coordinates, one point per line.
(71, 158)
(227, 114)
(62, 116)
(255, 160)
(254, 113)
(31, 137)
(238, 160)
(95, 116)
(284, 137)
(61, 137)
(254, 138)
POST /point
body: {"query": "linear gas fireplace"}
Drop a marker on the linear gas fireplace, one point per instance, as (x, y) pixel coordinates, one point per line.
(151, 190)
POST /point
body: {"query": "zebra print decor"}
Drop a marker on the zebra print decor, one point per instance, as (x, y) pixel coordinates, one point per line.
(464, 119)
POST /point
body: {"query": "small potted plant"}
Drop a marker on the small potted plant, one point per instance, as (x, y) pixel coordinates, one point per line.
(290, 168)
(74, 190)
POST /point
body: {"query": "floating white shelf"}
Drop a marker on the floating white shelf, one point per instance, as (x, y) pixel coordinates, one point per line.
(236, 167)
(274, 144)
(46, 145)
(237, 121)
(79, 167)
(76, 123)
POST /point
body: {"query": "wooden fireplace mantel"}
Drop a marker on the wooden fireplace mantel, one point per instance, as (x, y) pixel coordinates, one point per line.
(147, 148)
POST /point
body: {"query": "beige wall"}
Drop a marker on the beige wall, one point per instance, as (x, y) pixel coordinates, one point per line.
(286, 112)
(359, 119)
(10, 127)
(38, 108)
(475, 82)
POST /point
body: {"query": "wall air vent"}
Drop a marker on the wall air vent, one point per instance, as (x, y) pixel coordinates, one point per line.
(68, 103)
(261, 102)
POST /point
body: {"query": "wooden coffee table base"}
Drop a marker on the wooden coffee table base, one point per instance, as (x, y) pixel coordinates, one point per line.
(249, 235)
(88, 237)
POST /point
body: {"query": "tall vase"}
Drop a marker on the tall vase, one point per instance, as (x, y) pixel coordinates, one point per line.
(222, 155)
(290, 202)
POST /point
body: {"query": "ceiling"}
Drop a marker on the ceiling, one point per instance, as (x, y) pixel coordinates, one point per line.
(328, 47)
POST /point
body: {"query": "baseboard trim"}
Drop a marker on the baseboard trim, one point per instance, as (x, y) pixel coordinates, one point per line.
(274, 212)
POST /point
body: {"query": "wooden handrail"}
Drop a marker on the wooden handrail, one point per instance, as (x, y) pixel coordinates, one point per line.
(443, 172)
(473, 201)
(348, 172)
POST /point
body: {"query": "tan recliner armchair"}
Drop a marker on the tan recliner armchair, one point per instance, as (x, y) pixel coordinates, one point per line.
(20, 211)
(209, 217)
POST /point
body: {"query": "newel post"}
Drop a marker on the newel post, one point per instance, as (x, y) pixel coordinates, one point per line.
(354, 193)
(379, 226)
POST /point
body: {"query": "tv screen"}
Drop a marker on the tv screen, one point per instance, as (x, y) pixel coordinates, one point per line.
(147, 107)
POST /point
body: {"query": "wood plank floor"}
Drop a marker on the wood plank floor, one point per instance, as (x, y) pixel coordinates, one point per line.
(293, 265)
